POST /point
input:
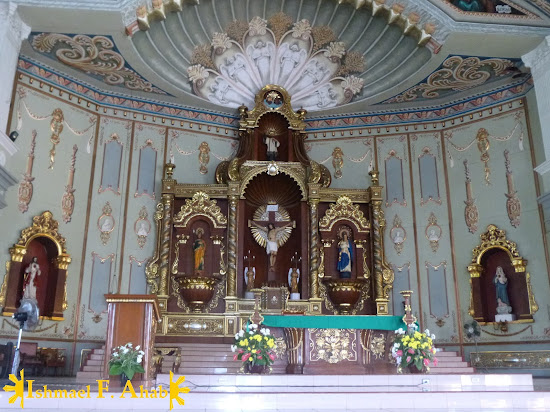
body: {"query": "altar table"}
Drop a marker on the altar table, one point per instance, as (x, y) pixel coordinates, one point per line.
(335, 344)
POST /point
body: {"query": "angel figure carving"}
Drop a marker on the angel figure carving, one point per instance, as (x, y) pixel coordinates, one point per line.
(271, 237)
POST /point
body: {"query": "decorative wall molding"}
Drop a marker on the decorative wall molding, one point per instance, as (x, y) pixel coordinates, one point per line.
(433, 232)
(92, 55)
(67, 201)
(173, 112)
(102, 271)
(142, 227)
(437, 291)
(483, 142)
(25, 187)
(471, 215)
(106, 223)
(146, 169)
(398, 235)
(429, 178)
(338, 156)
(455, 74)
(513, 204)
(393, 174)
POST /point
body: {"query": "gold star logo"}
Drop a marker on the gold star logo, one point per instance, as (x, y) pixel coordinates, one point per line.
(175, 390)
(18, 388)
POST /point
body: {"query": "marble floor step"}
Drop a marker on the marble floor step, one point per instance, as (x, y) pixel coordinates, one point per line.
(451, 365)
(96, 357)
(445, 371)
(86, 375)
(212, 355)
(208, 371)
(210, 364)
(92, 368)
(94, 362)
(449, 358)
(446, 353)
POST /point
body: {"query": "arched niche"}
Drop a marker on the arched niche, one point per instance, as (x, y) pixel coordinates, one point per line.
(43, 241)
(198, 225)
(345, 216)
(494, 251)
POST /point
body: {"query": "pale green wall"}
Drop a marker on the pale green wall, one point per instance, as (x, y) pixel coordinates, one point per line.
(456, 243)
(83, 328)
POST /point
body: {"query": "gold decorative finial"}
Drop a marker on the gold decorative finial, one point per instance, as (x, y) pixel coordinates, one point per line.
(374, 176)
(169, 170)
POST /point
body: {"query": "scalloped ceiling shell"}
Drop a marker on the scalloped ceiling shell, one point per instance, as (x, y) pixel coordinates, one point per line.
(324, 53)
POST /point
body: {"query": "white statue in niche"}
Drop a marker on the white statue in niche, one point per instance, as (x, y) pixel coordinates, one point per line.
(223, 93)
(261, 53)
(504, 310)
(291, 57)
(29, 284)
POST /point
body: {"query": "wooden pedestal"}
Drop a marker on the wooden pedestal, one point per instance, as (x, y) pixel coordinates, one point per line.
(132, 318)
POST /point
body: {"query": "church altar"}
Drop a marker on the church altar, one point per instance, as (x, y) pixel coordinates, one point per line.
(271, 228)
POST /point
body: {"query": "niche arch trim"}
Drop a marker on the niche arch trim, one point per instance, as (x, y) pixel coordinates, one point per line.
(44, 227)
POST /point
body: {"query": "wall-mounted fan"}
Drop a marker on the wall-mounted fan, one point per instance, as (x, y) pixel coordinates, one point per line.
(27, 316)
(473, 331)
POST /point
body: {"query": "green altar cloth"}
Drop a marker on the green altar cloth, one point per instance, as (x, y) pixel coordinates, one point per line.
(335, 322)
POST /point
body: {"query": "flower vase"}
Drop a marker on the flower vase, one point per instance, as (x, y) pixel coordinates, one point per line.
(123, 379)
(253, 368)
(414, 370)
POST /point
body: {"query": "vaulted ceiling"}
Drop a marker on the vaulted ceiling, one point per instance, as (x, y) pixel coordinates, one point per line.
(332, 56)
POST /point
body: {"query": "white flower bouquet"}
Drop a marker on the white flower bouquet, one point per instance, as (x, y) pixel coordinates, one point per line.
(126, 360)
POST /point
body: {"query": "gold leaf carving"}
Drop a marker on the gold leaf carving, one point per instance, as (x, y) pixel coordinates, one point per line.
(378, 346)
(344, 209)
(43, 225)
(332, 345)
(201, 204)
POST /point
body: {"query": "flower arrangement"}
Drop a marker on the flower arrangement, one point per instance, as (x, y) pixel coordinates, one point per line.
(412, 347)
(126, 360)
(254, 345)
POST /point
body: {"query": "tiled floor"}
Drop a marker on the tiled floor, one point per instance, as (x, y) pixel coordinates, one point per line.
(231, 393)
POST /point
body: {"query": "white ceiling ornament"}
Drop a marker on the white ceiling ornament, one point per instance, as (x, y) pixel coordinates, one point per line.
(311, 67)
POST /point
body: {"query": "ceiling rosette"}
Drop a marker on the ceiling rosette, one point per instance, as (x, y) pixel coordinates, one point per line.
(307, 61)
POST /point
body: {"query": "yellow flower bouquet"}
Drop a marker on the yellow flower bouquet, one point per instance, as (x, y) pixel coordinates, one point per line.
(254, 346)
(412, 348)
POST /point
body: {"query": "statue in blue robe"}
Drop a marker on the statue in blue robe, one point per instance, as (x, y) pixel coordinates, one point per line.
(501, 285)
(345, 256)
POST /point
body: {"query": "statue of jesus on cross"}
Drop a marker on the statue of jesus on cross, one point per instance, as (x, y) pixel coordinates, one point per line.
(273, 234)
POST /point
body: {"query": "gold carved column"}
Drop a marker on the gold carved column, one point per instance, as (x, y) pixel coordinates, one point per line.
(158, 270)
(232, 240)
(383, 275)
(314, 241)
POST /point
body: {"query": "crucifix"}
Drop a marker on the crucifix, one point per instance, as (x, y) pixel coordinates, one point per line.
(271, 230)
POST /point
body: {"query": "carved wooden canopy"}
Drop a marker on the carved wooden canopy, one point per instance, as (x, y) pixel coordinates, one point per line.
(495, 238)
